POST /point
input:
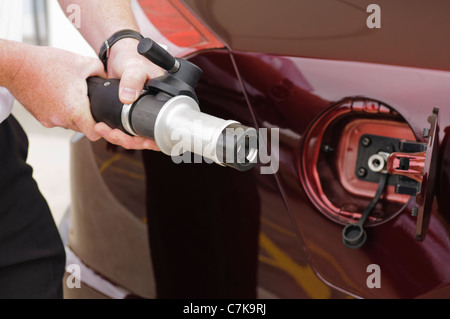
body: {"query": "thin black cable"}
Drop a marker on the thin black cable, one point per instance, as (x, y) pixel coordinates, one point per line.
(375, 200)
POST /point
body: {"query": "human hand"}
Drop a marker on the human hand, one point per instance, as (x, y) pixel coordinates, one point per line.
(51, 85)
(134, 71)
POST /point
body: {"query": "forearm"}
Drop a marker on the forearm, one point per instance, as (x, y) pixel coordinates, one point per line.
(12, 56)
(100, 19)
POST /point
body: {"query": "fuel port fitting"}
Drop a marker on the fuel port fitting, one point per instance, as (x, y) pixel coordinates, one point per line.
(377, 162)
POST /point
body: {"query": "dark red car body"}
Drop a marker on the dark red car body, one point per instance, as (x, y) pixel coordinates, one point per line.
(217, 233)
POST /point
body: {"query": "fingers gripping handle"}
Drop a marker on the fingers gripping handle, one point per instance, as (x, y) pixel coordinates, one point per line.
(105, 104)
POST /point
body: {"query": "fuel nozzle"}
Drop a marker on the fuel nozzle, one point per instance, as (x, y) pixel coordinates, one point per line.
(168, 112)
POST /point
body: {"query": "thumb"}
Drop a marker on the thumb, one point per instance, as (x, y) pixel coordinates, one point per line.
(131, 84)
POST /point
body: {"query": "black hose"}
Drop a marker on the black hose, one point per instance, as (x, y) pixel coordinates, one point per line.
(354, 235)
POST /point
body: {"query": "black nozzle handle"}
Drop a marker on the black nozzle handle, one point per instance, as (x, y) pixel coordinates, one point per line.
(157, 54)
(104, 99)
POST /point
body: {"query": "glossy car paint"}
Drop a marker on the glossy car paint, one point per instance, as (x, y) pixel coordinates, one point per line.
(108, 231)
(309, 86)
(410, 268)
(412, 32)
(214, 232)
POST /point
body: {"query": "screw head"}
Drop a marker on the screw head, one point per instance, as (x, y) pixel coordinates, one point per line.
(327, 148)
(107, 83)
(366, 141)
(361, 172)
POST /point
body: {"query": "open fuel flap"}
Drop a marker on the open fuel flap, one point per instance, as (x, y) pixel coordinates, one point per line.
(362, 165)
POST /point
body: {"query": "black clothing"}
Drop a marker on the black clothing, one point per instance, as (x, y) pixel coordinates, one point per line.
(32, 257)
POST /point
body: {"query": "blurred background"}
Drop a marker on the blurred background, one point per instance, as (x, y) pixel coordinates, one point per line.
(46, 24)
